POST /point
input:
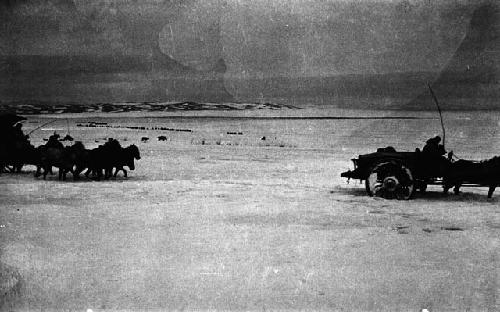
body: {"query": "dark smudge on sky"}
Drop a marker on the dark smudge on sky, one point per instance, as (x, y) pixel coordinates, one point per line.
(252, 40)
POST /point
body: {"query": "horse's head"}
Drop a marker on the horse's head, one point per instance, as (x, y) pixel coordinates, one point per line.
(493, 164)
(132, 152)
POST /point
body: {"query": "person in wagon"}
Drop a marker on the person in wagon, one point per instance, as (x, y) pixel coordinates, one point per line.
(432, 147)
(434, 156)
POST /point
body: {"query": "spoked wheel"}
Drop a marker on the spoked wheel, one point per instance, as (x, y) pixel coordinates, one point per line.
(390, 180)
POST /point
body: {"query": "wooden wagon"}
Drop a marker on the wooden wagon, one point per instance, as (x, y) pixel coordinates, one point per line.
(391, 174)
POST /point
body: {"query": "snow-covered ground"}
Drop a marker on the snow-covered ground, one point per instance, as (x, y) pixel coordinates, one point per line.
(211, 220)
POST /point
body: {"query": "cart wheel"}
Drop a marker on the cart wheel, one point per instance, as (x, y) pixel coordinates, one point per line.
(390, 180)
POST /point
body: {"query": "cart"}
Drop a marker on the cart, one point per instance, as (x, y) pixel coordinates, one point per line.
(391, 174)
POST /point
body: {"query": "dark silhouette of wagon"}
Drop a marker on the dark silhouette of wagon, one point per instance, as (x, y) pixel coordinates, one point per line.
(391, 174)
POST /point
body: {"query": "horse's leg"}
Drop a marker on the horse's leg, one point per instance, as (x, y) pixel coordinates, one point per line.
(65, 172)
(491, 190)
(107, 173)
(118, 169)
(445, 189)
(72, 170)
(45, 171)
(446, 186)
(456, 189)
(76, 173)
(37, 172)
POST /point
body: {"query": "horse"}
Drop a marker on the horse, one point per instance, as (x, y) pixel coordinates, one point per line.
(77, 155)
(81, 163)
(126, 158)
(103, 158)
(62, 158)
(486, 172)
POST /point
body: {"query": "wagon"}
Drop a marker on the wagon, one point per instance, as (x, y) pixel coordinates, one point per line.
(391, 174)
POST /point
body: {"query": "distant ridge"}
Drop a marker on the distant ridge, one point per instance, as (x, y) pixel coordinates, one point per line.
(36, 108)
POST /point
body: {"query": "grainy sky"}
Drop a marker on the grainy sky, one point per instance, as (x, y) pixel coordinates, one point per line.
(253, 38)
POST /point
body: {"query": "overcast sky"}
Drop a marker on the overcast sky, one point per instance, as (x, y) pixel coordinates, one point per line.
(216, 42)
(255, 37)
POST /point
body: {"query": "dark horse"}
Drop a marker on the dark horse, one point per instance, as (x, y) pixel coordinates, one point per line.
(126, 158)
(486, 172)
(103, 158)
(63, 158)
(111, 155)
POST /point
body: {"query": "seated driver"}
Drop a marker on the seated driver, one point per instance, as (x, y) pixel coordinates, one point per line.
(433, 148)
(434, 155)
(54, 141)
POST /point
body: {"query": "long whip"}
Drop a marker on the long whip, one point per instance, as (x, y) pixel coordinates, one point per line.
(49, 122)
(440, 114)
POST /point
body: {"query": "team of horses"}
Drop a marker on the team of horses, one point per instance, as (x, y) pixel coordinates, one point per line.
(484, 173)
(104, 161)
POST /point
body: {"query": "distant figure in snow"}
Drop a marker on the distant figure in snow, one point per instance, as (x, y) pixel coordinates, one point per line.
(144, 139)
